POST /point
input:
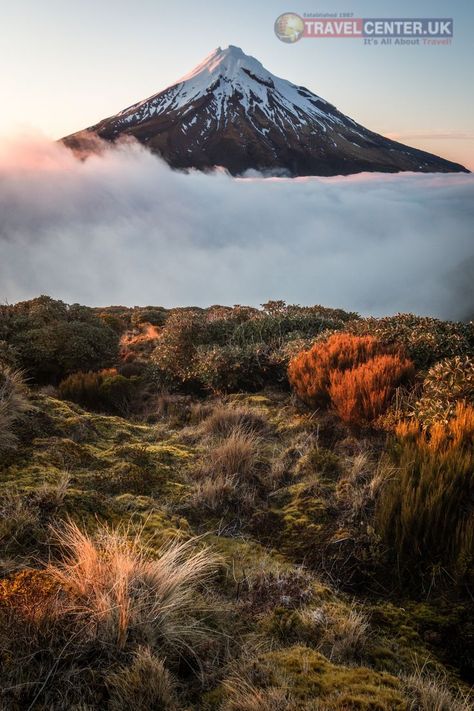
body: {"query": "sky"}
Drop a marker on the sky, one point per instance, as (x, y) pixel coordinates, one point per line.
(66, 65)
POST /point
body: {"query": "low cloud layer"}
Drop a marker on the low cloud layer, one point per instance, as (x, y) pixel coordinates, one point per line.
(125, 229)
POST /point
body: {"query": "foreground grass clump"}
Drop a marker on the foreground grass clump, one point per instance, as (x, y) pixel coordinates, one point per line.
(357, 375)
(14, 403)
(425, 509)
(145, 684)
(119, 595)
(104, 602)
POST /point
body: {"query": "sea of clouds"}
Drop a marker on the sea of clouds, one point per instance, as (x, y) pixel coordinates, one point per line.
(123, 228)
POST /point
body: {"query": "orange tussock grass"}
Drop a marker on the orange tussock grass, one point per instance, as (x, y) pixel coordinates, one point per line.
(361, 394)
(310, 371)
(426, 510)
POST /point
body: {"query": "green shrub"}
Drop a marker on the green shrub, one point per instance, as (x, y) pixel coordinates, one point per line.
(176, 350)
(239, 348)
(425, 340)
(156, 315)
(114, 322)
(448, 382)
(233, 368)
(8, 355)
(105, 390)
(53, 340)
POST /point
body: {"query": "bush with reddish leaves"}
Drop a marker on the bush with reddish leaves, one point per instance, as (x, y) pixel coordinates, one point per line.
(357, 375)
(359, 395)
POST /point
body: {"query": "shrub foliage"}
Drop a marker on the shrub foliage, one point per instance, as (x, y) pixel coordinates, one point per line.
(357, 375)
(104, 390)
(425, 340)
(229, 350)
(448, 382)
(52, 339)
(359, 395)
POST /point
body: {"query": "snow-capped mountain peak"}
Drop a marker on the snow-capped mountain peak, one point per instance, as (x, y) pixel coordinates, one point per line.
(231, 111)
(225, 62)
(234, 78)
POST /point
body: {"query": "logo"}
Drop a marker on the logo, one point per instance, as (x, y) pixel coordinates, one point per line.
(289, 27)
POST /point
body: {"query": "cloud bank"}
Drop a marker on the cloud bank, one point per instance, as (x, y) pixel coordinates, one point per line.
(123, 228)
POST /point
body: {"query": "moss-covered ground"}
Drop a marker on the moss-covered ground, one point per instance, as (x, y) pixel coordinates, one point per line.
(302, 601)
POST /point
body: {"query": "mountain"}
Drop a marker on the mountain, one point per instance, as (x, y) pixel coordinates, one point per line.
(230, 111)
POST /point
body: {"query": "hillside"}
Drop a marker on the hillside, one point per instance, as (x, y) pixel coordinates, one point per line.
(218, 509)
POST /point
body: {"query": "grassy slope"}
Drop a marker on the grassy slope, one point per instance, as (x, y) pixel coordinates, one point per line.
(268, 614)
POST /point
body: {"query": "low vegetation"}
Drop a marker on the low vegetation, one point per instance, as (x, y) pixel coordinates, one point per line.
(234, 509)
(355, 375)
(427, 499)
(13, 404)
(103, 390)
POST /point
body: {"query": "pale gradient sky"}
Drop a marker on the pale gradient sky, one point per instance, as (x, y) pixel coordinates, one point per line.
(65, 64)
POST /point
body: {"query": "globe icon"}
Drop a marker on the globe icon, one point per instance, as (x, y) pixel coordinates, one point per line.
(289, 27)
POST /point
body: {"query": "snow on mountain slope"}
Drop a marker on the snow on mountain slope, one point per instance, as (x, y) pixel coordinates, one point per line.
(227, 73)
(231, 111)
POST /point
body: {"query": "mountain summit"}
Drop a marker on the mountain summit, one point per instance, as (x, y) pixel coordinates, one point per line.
(230, 111)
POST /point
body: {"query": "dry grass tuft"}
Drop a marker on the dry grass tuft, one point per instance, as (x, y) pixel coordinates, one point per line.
(224, 420)
(244, 696)
(228, 476)
(117, 595)
(145, 684)
(431, 693)
(19, 521)
(13, 404)
(342, 634)
(264, 590)
(236, 455)
(214, 492)
(347, 635)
